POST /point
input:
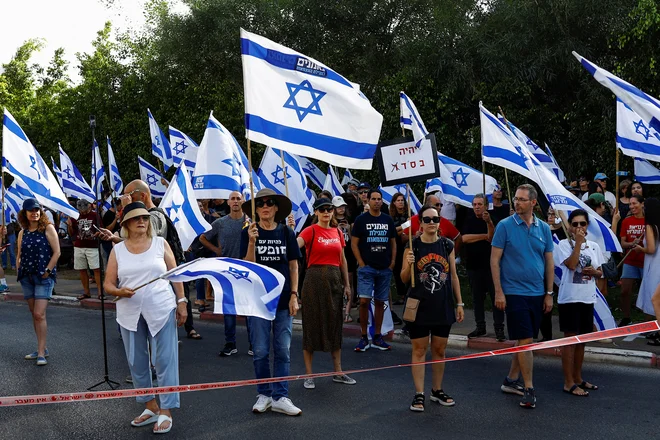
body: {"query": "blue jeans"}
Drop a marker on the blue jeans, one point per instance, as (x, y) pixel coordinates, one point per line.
(36, 287)
(260, 330)
(11, 239)
(374, 283)
(230, 328)
(200, 287)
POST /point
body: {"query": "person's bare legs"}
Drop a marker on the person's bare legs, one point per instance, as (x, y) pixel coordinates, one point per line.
(40, 326)
(579, 360)
(379, 313)
(84, 279)
(569, 362)
(626, 293)
(655, 300)
(336, 360)
(419, 348)
(525, 363)
(438, 347)
(308, 356)
(514, 371)
(97, 277)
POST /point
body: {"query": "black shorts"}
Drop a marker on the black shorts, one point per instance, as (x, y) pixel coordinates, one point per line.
(523, 316)
(576, 318)
(417, 331)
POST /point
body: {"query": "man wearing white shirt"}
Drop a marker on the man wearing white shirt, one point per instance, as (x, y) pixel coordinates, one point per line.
(601, 179)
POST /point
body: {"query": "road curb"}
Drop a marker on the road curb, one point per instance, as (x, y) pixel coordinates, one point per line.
(633, 358)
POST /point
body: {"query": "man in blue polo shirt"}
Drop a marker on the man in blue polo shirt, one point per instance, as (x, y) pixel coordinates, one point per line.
(522, 268)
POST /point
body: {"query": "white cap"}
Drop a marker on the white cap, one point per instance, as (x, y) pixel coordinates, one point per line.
(338, 201)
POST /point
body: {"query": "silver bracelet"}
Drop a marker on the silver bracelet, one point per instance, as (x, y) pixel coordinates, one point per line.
(460, 305)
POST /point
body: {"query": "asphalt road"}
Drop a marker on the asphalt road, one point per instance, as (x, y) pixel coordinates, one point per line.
(626, 406)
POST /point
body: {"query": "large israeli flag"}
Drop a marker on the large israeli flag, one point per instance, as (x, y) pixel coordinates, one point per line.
(160, 147)
(22, 160)
(271, 176)
(184, 149)
(646, 106)
(14, 197)
(180, 204)
(634, 136)
(98, 171)
(298, 104)
(348, 176)
(460, 183)
(315, 175)
(244, 167)
(56, 170)
(645, 172)
(73, 182)
(240, 287)
(152, 177)
(389, 191)
(116, 184)
(332, 183)
(555, 166)
(410, 118)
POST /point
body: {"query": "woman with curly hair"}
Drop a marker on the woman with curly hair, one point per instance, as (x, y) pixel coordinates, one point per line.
(36, 262)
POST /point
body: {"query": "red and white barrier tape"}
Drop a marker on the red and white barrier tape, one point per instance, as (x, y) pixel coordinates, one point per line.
(118, 394)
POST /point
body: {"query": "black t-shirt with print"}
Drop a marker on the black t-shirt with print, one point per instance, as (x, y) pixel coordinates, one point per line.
(375, 234)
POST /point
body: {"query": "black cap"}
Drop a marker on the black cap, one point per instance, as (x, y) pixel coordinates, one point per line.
(322, 202)
(30, 204)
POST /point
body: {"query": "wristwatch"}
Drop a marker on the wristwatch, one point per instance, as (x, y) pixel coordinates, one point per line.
(293, 292)
(48, 271)
(182, 300)
(550, 293)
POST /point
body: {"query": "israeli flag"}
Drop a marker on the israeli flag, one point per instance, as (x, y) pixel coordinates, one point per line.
(160, 147)
(634, 136)
(56, 170)
(22, 160)
(315, 175)
(271, 175)
(555, 166)
(152, 177)
(240, 287)
(184, 149)
(389, 191)
(298, 104)
(387, 324)
(73, 182)
(332, 184)
(646, 106)
(645, 172)
(459, 183)
(116, 184)
(603, 319)
(410, 118)
(218, 171)
(348, 176)
(14, 197)
(180, 204)
(245, 173)
(98, 171)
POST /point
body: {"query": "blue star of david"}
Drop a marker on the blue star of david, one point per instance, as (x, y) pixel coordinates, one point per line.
(641, 126)
(67, 171)
(532, 144)
(522, 155)
(151, 180)
(310, 166)
(234, 168)
(180, 147)
(459, 173)
(174, 208)
(278, 170)
(239, 274)
(117, 181)
(313, 107)
(33, 165)
(157, 140)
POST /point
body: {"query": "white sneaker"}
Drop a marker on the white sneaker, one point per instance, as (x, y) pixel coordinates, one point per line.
(309, 384)
(263, 403)
(284, 405)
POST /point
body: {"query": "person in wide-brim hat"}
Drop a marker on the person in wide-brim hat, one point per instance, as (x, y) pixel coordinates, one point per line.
(132, 210)
(282, 202)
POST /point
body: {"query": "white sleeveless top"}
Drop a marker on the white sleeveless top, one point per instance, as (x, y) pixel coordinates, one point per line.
(155, 301)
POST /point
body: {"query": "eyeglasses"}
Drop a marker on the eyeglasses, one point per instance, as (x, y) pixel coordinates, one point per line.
(324, 209)
(364, 191)
(268, 202)
(521, 200)
(438, 205)
(434, 219)
(131, 193)
(576, 224)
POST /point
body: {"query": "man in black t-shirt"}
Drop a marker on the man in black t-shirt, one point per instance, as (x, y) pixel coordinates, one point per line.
(478, 232)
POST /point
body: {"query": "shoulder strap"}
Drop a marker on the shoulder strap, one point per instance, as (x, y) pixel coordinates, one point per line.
(311, 243)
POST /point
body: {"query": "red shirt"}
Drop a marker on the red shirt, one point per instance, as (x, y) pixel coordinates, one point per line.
(323, 246)
(447, 230)
(633, 228)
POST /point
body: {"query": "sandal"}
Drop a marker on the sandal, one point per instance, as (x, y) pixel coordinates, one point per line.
(348, 318)
(194, 335)
(153, 417)
(575, 387)
(588, 386)
(81, 297)
(443, 399)
(418, 400)
(162, 419)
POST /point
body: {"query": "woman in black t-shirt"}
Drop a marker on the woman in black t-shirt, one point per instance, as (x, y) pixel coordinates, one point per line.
(436, 288)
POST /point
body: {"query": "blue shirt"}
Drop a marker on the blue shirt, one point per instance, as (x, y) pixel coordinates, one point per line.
(522, 267)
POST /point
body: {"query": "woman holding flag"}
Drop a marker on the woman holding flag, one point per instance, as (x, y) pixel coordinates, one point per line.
(651, 276)
(148, 316)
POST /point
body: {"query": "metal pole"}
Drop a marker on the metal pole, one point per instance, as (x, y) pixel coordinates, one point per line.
(410, 246)
(249, 155)
(616, 188)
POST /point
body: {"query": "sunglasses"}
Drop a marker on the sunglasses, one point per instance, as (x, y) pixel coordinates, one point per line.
(324, 209)
(438, 205)
(434, 219)
(268, 202)
(364, 191)
(144, 218)
(576, 224)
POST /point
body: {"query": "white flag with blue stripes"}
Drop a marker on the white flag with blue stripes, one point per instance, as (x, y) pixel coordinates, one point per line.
(116, 184)
(73, 182)
(98, 171)
(14, 197)
(23, 161)
(315, 175)
(389, 191)
(410, 118)
(271, 175)
(459, 183)
(184, 149)
(57, 171)
(160, 146)
(646, 106)
(180, 204)
(634, 136)
(240, 287)
(332, 183)
(645, 172)
(348, 176)
(555, 166)
(298, 104)
(152, 177)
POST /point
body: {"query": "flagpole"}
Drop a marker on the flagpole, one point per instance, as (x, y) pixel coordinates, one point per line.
(410, 246)
(249, 151)
(286, 182)
(2, 182)
(506, 174)
(616, 187)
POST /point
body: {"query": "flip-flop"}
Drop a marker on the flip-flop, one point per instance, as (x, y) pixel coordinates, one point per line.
(348, 318)
(81, 297)
(575, 387)
(194, 335)
(153, 417)
(588, 386)
(162, 419)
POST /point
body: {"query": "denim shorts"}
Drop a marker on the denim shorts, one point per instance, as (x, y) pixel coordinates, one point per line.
(35, 287)
(374, 283)
(631, 272)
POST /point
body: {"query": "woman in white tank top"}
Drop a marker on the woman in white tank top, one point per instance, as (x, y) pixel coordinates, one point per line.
(147, 317)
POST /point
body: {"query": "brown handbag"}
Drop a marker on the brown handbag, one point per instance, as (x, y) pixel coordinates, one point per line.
(410, 311)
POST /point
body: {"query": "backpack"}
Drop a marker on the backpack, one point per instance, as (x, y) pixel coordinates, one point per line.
(172, 238)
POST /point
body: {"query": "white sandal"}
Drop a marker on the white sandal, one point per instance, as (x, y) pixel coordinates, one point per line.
(153, 417)
(161, 419)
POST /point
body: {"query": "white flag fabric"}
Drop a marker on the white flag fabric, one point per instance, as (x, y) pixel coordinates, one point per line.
(646, 106)
(152, 177)
(645, 172)
(57, 171)
(73, 182)
(313, 172)
(555, 166)
(271, 175)
(184, 149)
(98, 171)
(348, 176)
(160, 147)
(14, 197)
(389, 191)
(298, 104)
(23, 161)
(387, 325)
(459, 183)
(410, 118)
(634, 136)
(240, 287)
(180, 204)
(116, 184)
(332, 183)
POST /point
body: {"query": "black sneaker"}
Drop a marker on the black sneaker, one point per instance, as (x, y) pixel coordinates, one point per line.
(477, 332)
(529, 398)
(499, 335)
(513, 387)
(230, 348)
(624, 322)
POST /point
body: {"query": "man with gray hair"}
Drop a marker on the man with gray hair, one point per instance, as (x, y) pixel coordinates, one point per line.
(85, 246)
